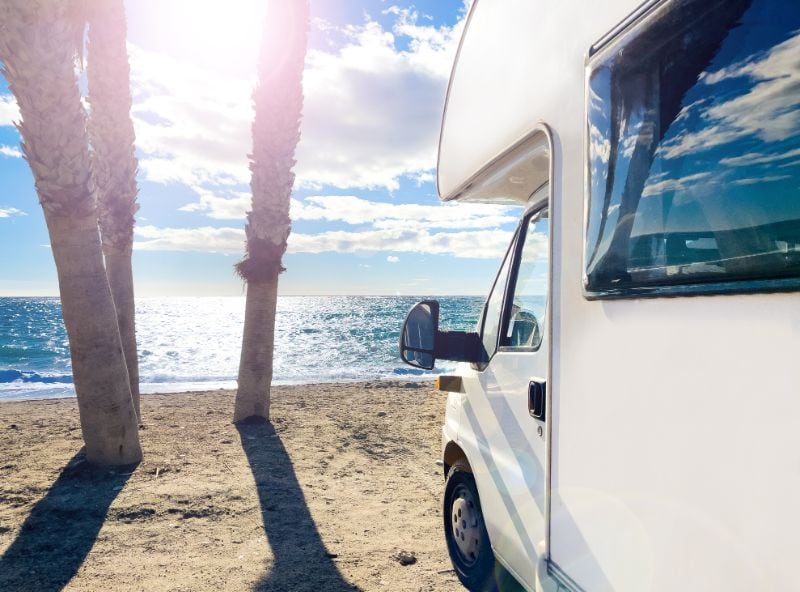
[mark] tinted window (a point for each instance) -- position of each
(529, 301)
(694, 150)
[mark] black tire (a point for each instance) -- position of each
(471, 555)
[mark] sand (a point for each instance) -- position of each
(331, 496)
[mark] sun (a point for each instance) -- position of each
(209, 33)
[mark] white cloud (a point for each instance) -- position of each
(9, 212)
(481, 244)
(373, 104)
(192, 125)
(393, 259)
(383, 215)
(229, 241)
(222, 204)
(10, 151)
(9, 111)
(371, 113)
(355, 210)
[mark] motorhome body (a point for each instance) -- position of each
(656, 152)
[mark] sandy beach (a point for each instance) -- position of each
(340, 492)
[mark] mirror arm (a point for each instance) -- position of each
(457, 346)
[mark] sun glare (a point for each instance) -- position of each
(220, 34)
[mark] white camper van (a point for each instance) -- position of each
(626, 415)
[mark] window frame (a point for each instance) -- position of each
(514, 251)
(510, 252)
(533, 214)
(632, 26)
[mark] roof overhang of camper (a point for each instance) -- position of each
(492, 148)
(513, 176)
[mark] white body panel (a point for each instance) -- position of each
(675, 453)
(507, 456)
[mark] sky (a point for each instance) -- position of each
(366, 215)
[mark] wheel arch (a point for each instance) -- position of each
(453, 453)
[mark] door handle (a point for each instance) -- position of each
(537, 396)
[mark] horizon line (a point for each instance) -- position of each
(384, 295)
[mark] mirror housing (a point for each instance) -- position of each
(421, 342)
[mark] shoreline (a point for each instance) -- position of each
(326, 497)
(409, 380)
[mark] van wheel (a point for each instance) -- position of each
(465, 532)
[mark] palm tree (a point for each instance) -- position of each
(37, 41)
(114, 160)
(278, 100)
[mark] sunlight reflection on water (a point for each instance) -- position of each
(194, 343)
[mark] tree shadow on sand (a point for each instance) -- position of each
(61, 529)
(300, 560)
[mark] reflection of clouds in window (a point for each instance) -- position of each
(703, 121)
(768, 111)
(689, 109)
(600, 145)
(759, 180)
(535, 247)
(757, 158)
(680, 184)
(774, 63)
(633, 135)
(796, 163)
(691, 142)
(595, 101)
(655, 177)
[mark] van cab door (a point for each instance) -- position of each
(504, 409)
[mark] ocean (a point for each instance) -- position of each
(194, 343)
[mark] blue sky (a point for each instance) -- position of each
(366, 218)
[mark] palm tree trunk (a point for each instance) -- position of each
(37, 48)
(119, 270)
(112, 138)
(255, 366)
(108, 419)
(278, 101)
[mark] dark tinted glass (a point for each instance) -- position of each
(694, 149)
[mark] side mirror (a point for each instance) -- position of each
(525, 329)
(418, 337)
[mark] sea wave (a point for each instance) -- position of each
(11, 376)
(195, 343)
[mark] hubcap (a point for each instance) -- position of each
(464, 524)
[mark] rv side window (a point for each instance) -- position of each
(693, 123)
(528, 303)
